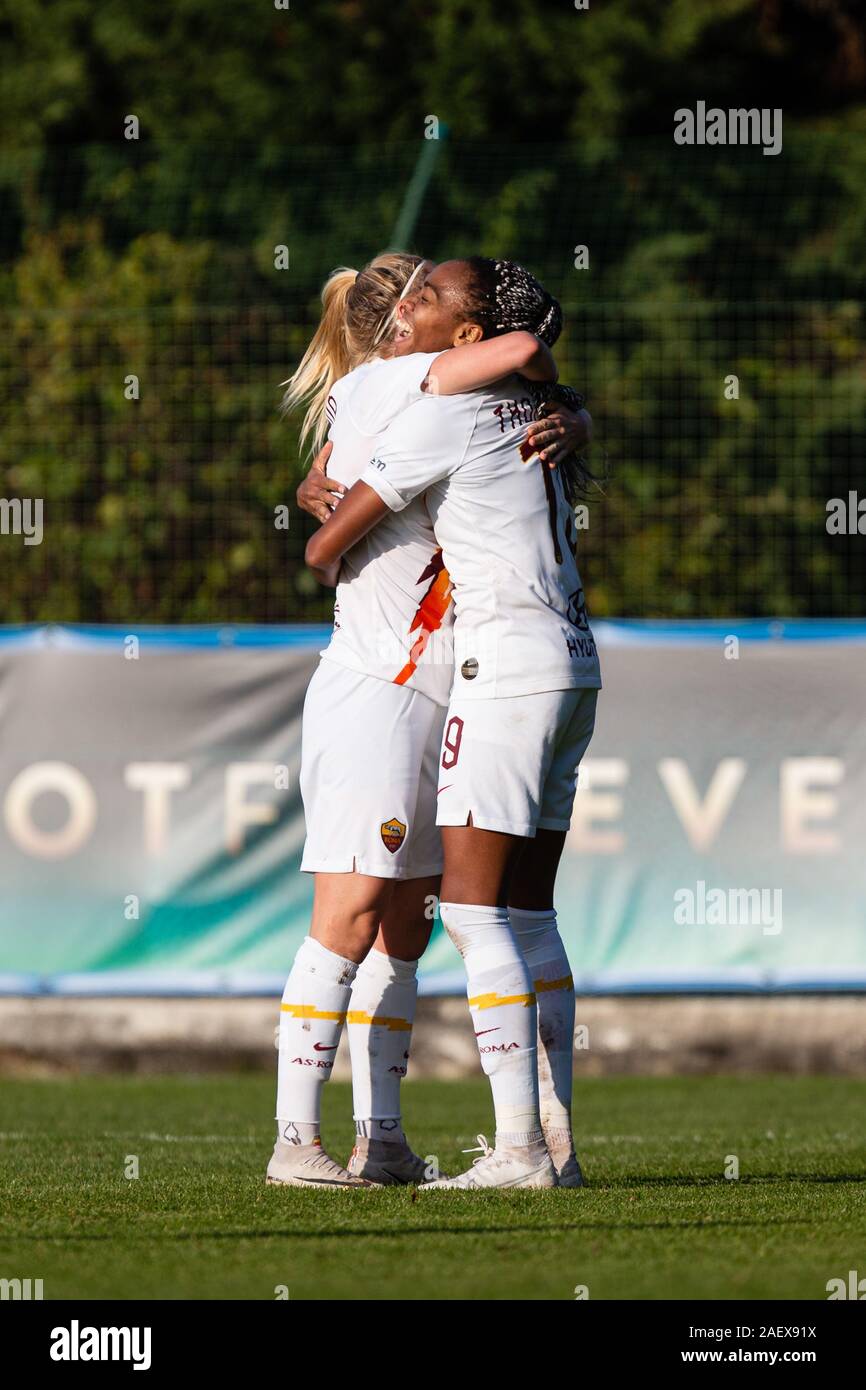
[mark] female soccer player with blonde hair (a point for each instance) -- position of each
(372, 727)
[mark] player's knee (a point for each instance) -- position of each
(405, 940)
(349, 930)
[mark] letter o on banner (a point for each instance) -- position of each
(80, 798)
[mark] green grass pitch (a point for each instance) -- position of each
(657, 1220)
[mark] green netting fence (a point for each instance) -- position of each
(145, 328)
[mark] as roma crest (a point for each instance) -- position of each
(393, 834)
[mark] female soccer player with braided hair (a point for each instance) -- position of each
(371, 736)
(521, 712)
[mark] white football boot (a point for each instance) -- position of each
(529, 1167)
(307, 1165)
(388, 1164)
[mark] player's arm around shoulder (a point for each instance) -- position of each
(474, 365)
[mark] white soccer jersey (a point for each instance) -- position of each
(508, 539)
(393, 616)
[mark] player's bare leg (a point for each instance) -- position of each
(347, 909)
(380, 1018)
(533, 920)
(478, 867)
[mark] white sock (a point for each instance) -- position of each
(312, 1015)
(380, 1017)
(502, 1004)
(539, 939)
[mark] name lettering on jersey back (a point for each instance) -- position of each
(514, 414)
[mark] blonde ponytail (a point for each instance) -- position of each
(326, 360)
(358, 313)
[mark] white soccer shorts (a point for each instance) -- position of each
(512, 763)
(369, 763)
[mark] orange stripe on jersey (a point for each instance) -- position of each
(431, 610)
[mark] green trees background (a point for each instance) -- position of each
(260, 127)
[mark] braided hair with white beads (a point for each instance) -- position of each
(503, 297)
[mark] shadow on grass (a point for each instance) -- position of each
(409, 1231)
(718, 1180)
